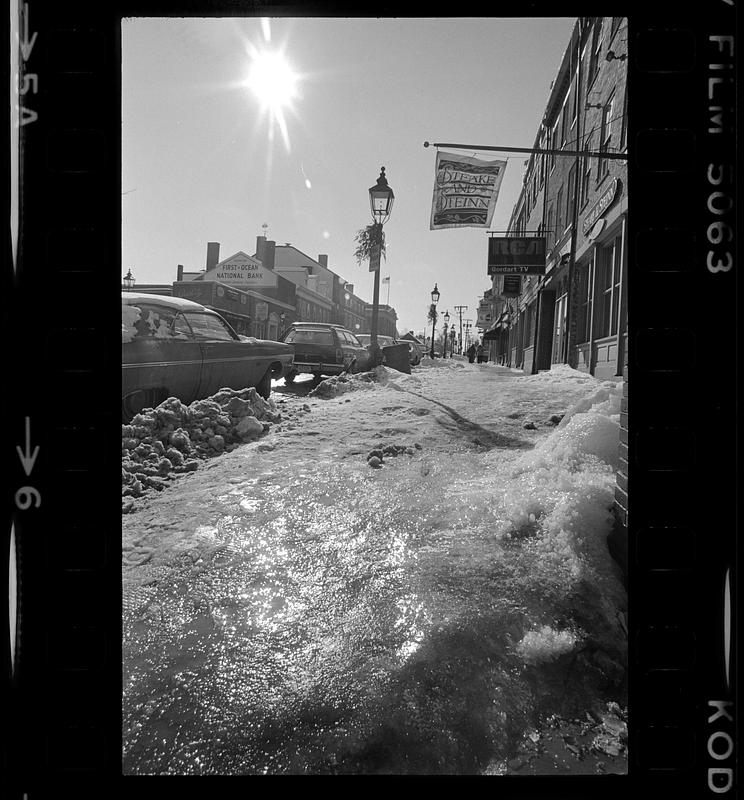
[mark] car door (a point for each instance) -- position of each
(227, 362)
(159, 355)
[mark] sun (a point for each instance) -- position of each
(274, 83)
(272, 80)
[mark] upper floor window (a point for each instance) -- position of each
(564, 122)
(570, 195)
(585, 176)
(594, 53)
(605, 141)
(559, 214)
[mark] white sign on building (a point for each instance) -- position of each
(242, 270)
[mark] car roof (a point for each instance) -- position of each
(316, 325)
(178, 303)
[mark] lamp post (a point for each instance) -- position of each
(381, 204)
(446, 326)
(434, 301)
(128, 280)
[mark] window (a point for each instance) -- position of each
(552, 143)
(570, 194)
(209, 328)
(559, 227)
(145, 321)
(608, 270)
(605, 141)
(594, 54)
(574, 99)
(551, 237)
(308, 336)
(585, 272)
(624, 127)
(564, 122)
(585, 177)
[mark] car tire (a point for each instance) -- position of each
(263, 387)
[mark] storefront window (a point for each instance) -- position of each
(609, 269)
(585, 301)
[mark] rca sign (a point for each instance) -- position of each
(521, 255)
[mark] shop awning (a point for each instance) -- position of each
(501, 326)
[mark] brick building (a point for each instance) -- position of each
(576, 312)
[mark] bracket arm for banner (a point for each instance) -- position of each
(545, 151)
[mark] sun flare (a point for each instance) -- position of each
(274, 83)
(272, 80)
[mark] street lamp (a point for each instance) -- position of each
(446, 326)
(128, 280)
(434, 301)
(381, 199)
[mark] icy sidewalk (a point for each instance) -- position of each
(291, 608)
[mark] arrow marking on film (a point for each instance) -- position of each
(26, 45)
(28, 458)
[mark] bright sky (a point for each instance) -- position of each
(204, 160)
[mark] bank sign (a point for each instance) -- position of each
(520, 255)
(243, 271)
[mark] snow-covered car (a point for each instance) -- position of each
(172, 347)
(324, 349)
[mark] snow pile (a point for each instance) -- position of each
(340, 384)
(558, 499)
(546, 644)
(440, 363)
(170, 439)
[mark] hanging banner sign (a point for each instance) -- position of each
(465, 191)
(520, 255)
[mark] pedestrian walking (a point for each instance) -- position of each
(471, 353)
(481, 353)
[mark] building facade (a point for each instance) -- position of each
(576, 313)
(261, 294)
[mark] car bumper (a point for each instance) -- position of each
(319, 367)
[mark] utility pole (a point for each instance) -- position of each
(459, 310)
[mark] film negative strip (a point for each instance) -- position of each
(677, 489)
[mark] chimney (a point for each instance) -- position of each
(323, 260)
(260, 247)
(213, 254)
(269, 254)
(179, 272)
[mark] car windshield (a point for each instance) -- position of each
(308, 336)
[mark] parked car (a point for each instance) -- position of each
(324, 349)
(388, 341)
(172, 347)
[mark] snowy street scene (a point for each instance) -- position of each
(399, 574)
(374, 396)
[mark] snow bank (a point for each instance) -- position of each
(163, 442)
(558, 498)
(340, 384)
